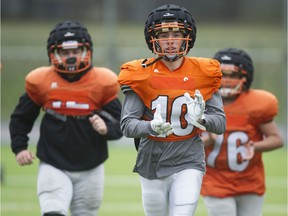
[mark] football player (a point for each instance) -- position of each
(234, 183)
(82, 112)
(168, 101)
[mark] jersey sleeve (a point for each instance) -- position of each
(211, 68)
(208, 75)
(34, 83)
(111, 89)
(129, 73)
(124, 77)
(266, 107)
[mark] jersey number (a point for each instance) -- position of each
(175, 114)
(70, 105)
(233, 150)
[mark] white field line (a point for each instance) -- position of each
(123, 181)
(16, 181)
(271, 209)
(110, 180)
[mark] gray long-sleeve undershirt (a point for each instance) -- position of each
(133, 109)
(158, 159)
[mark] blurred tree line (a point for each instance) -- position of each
(265, 11)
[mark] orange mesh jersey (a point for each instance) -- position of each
(156, 84)
(227, 174)
(49, 90)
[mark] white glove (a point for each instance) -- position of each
(158, 125)
(196, 108)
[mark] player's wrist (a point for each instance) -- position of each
(202, 121)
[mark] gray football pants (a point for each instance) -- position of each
(243, 205)
(81, 192)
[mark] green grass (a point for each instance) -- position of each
(122, 187)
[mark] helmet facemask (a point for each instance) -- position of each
(70, 48)
(233, 81)
(166, 18)
(71, 65)
(170, 48)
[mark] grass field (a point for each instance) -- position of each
(122, 188)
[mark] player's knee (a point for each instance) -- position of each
(53, 214)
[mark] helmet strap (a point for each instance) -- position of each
(153, 62)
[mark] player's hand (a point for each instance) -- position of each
(196, 108)
(208, 138)
(98, 124)
(158, 125)
(25, 157)
(248, 154)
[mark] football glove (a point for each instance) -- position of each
(196, 109)
(158, 125)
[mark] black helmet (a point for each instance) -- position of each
(238, 61)
(70, 34)
(170, 17)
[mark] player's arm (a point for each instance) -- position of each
(266, 124)
(215, 119)
(21, 123)
(132, 111)
(272, 137)
(107, 120)
(208, 139)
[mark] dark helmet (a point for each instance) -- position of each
(70, 35)
(234, 60)
(170, 17)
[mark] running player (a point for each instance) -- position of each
(82, 112)
(234, 184)
(168, 101)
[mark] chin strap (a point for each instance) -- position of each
(147, 65)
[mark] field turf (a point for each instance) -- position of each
(122, 188)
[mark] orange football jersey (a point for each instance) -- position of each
(156, 84)
(227, 175)
(49, 90)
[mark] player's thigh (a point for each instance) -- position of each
(154, 196)
(88, 192)
(250, 204)
(185, 192)
(54, 189)
(220, 206)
